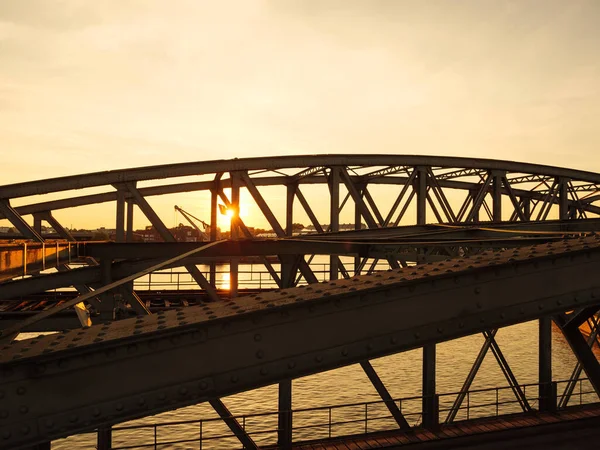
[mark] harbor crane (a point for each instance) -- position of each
(188, 216)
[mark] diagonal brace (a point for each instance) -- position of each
(385, 395)
(15, 218)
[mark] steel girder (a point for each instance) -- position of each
(316, 173)
(273, 163)
(235, 346)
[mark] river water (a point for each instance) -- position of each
(401, 373)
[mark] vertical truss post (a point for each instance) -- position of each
(104, 441)
(234, 230)
(547, 394)
(430, 407)
(120, 225)
(289, 264)
(284, 419)
(37, 223)
(334, 214)
(214, 199)
(385, 395)
(475, 211)
(421, 188)
(233, 425)
(289, 208)
(129, 236)
(526, 207)
(497, 196)
(357, 226)
(563, 198)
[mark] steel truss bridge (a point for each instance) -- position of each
(469, 246)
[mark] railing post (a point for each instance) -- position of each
(496, 402)
(104, 438)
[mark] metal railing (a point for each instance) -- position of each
(341, 420)
(250, 277)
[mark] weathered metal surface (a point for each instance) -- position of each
(168, 360)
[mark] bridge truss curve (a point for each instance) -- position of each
(471, 206)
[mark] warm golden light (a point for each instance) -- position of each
(230, 213)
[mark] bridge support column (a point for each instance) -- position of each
(234, 232)
(120, 225)
(526, 207)
(214, 205)
(129, 234)
(104, 440)
(497, 196)
(334, 214)
(547, 390)
(421, 188)
(563, 198)
(430, 405)
(284, 427)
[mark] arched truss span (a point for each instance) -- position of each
(528, 186)
(418, 190)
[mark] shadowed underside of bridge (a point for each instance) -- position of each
(477, 269)
(258, 340)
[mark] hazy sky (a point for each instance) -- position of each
(88, 86)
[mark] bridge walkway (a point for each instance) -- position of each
(468, 432)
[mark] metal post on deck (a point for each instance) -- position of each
(120, 225)
(547, 401)
(284, 428)
(430, 406)
(334, 216)
(104, 438)
(214, 197)
(234, 233)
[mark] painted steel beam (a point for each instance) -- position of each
(261, 181)
(235, 346)
(281, 162)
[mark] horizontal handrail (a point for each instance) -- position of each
(329, 424)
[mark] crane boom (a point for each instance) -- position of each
(189, 218)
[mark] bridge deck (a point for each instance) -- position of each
(447, 434)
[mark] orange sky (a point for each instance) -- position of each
(89, 86)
